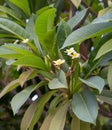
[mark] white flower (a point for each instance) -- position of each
(75, 55)
(59, 62)
(25, 40)
(70, 51)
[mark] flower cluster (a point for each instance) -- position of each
(71, 52)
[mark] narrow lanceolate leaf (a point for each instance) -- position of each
(85, 107)
(105, 18)
(75, 20)
(56, 84)
(31, 61)
(13, 28)
(18, 48)
(9, 87)
(95, 82)
(109, 78)
(34, 112)
(76, 2)
(107, 47)
(87, 32)
(20, 98)
(25, 76)
(58, 121)
(12, 13)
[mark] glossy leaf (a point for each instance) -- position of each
(95, 82)
(56, 84)
(23, 5)
(109, 78)
(13, 28)
(31, 61)
(83, 108)
(87, 32)
(107, 47)
(44, 23)
(76, 19)
(58, 121)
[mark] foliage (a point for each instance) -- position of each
(54, 58)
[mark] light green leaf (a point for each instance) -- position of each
(23, 5)
(109, 77)
(9, 87)
(25, 76)
(75, 20)
(8, 53)
(83, 108)
(31, 61)
(56, 84)
(95, 82)
(20, 98)
(62, 77)
(18, 48)
(13, 28)
(87, 32)
(107, 47)
(85, 125)
(58, 121)
(44, 23)
(76, 2)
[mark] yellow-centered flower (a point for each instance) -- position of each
(75, 55)
(59, 62)
(25, 40)
(70, 51)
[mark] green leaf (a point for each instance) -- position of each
(76, 2)
(31, 61)
(25, 76)
(87, 32)
(109, 78)
(23, 5)
(8, 53)
(44, 23)
(107, 47)
(31, 31)
(9, 87)
(75, 123)
(19, 48)
(77, 18)
(13, 28)
(95, 82)
(20, 98)
(58, 121)
(105, 18)
(12, 13)
(79, 125)
(62, 77)
(62, 32)
(35, 110)
(56, 84)
(83, 108)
